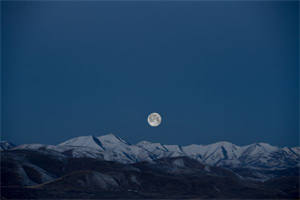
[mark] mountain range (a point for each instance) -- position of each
(113, 148)
(109, 167)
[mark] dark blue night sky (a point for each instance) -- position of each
(215, 71)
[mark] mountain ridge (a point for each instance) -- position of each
(113, 148)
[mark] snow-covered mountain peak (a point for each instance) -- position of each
(225, 144)
(85, 141)
(259, 148)
(267, 146)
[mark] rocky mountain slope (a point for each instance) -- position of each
(47, 173)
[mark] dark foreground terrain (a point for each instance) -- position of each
(27, 174)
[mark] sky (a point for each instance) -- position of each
(215, 71)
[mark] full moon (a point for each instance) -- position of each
(154, 119)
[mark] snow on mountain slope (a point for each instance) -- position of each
(86, 141)
(260, 154)
(220, 151)
(5, 145)
(119, 149)
(158, 150)
(194, 149)
(110, 140)
(152, 146)
(175, 150)
(292, 152)
(259, 148)
(108, 147)
(63, 150)
(296, 150)
(113, 148)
